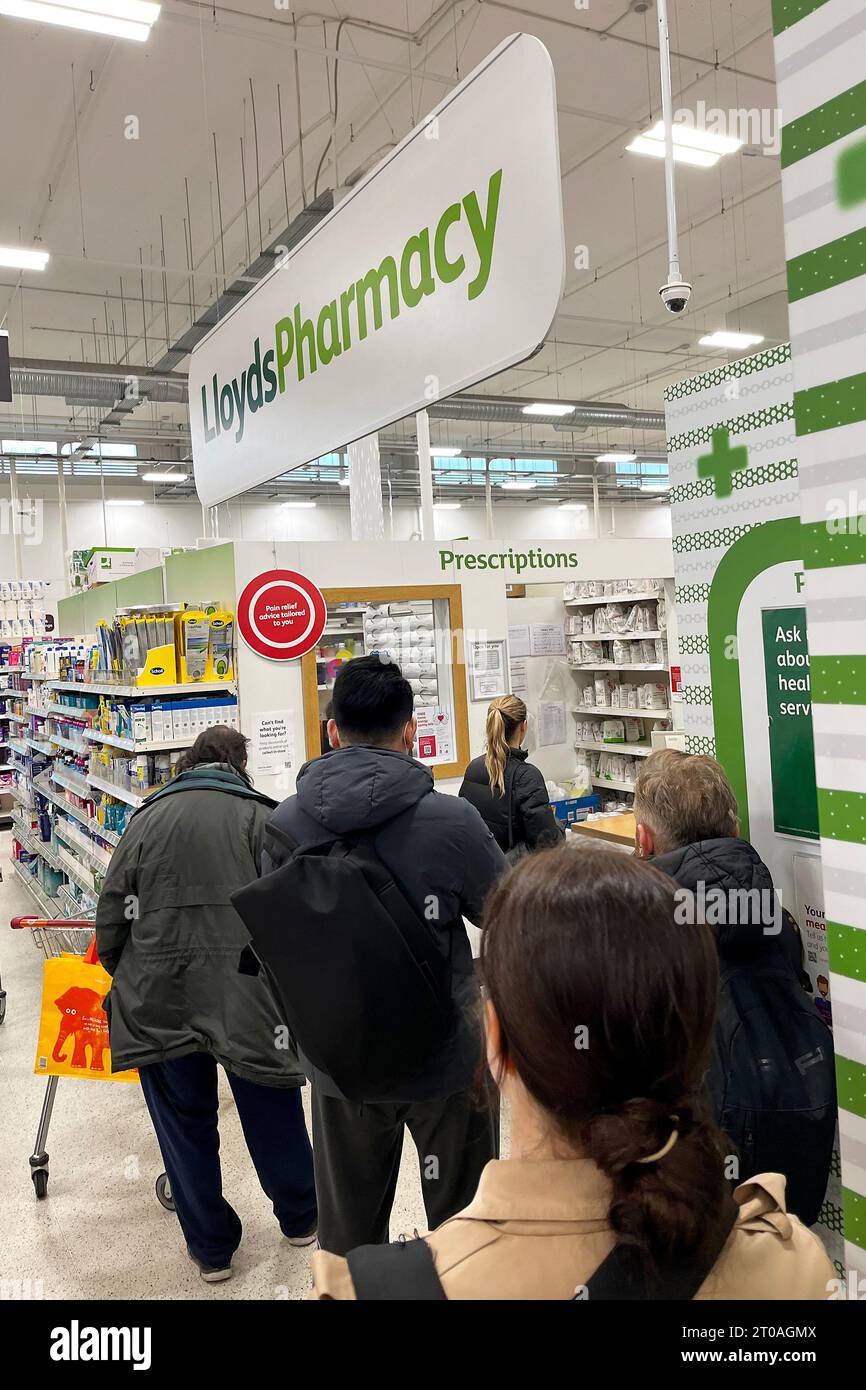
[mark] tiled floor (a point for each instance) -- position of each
(101, 1233)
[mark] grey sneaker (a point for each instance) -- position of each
(211, 1274)
(309, 1238)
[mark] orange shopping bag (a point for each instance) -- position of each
(73, 1029)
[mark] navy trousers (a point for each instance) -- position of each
(181, 1096)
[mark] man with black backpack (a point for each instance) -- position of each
(360, 929)
(771, 1080)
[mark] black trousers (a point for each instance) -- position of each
(356, 1154)
(182, 1098)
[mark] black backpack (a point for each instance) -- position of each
(361, 982)
(405, 1271)
(772, 1080)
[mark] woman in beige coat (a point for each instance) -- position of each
(599, 1021)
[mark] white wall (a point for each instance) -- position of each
(181, 523)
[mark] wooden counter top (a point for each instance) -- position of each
(617, 830)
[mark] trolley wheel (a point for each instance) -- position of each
(163, 1192)
(40, 1182)
(2, 1004)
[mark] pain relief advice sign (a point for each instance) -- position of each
(443, 267)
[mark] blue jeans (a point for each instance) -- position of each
(181, 1096)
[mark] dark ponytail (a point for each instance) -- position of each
(606, 1008)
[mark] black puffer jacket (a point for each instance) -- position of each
(532, 821)
(771, 1078)
(732, 865)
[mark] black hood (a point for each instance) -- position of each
(358, 788)
(728, 864)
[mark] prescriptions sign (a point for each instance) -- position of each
(442, 267)
(281, 615)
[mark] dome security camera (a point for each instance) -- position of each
(675, 296)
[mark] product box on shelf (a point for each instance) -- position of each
(107, 563)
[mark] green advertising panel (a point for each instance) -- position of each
(789, 708)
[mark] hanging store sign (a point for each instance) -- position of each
(281, 615)
(442, 267)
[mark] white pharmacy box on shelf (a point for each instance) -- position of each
(669, 738)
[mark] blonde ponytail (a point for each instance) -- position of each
(505, 714)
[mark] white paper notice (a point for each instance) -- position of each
(519, 676)
(273, 742)
(547, 639)
(518, 639)
(551, 724)
(487, 666)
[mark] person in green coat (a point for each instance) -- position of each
(178, 1007)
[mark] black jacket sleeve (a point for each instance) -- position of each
(540, 827)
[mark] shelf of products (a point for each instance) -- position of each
(632, 750)
(612, 785)
(131, 746)
(617, 666)
(30, 881)
(140, 691)
(87, 752)
(131, 798)
(415, 628)
(616, 647)
(621, 596)
(613, 711)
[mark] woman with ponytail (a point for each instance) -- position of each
(507, 791)
(599, 1017)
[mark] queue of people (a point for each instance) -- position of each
(600, 1024)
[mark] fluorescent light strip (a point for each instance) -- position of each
(693, 137)
(615, 457)
(447, 506)
(124, 502)
(298, 506)
(573, 507)
(547, 408)
(164, 477)
(703, 159)
(17, 258)
(441, 451)
(518, 485)
(94, 21)
(723, 339)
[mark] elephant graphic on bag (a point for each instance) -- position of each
(83, 1018)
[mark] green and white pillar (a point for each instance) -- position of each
(820, 48)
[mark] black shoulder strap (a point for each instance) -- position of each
(406, 1272)
(510, 810)
(622, 1275)
(403, 1272)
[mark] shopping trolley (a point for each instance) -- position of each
(55, 937)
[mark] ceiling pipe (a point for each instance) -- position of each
(507, 410)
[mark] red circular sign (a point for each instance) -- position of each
(281, 615)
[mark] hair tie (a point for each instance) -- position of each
(663, 1152)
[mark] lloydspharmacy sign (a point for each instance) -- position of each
(302, 345)
(443, 267)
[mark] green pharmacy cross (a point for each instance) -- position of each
(722, 463)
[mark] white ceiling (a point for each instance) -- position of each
(73, 182)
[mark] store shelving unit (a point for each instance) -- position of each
(48, 726)
(653, 672)
(631, 750)
(611, 712)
